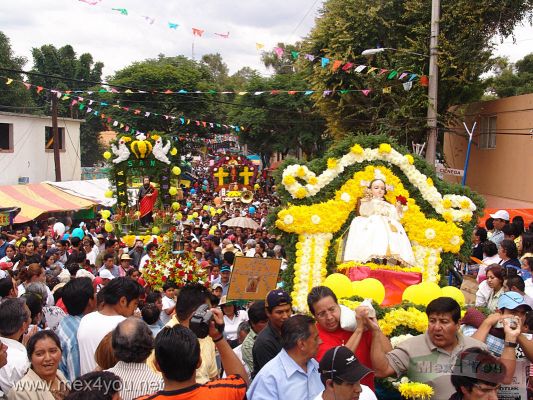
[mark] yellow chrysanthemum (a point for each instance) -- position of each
(289, 180)
(447, 216)
(465, 204)
(332, 163)
(313, 180)
(467, 218)
(429, 181)
(300, 172)
(447, 203)
(300, 193)
(410, 159)
(356, 149)
(415, 390)
(385, 148)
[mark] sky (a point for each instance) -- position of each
(118, 40)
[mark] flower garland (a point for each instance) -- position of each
(301, 182)
(167, 267)
(410, 317)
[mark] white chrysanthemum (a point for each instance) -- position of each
(346, 197)
(315, 219)
(455, 240)
(430, 233)
(288, 219)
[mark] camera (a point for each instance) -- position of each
(200, 320)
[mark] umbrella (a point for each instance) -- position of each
(242, 222)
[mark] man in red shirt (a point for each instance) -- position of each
(323, 304)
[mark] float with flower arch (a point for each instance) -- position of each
(318, 206)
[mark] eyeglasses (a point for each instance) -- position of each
(487, 390)
(323, 314)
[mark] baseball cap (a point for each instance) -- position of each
(216, 286)
(225, 268)
(500, 214)
(106, 274)
(512, 300)
(340, 362)
(277, 297)
(199, 249)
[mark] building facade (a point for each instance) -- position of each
(26, 148)
(501, 158)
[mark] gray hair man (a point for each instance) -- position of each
(132, 343)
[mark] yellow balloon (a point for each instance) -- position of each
(195, 214)
(175, 205)
(408, 293)
(173, 191)
(190, 217)
(155, 230)
(107, 155)
(355, 285)
(108, 193)
(219, 211)
(340, 284)
(371, 288)
(256, 186)
(105, 214)
(179, 216)
(212, 212)
(176, 170)
(173, 152)
(108, 227)
(212, 230)
(205, 208)
(425, 292)
(454, 293)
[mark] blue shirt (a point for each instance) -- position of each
(282, 378)
(70, 357)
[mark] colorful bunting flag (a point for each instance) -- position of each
(387, 89)
(8, 81)
(278, 51)
(295, 54)
(148, 19)
(122, 11)
(336, 65)
(324, 61)
(259, 46)
(223, 35)
(173, 25)
(407, 86)
(197, 32)
(365, 91)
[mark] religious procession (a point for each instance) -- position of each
(325, 214)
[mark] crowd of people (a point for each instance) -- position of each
(78, 321)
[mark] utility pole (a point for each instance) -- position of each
(433, 89)
(55, 132)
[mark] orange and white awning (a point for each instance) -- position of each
(39, 198)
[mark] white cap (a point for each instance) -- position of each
(83, 273)
(501, 214)
(106, 274)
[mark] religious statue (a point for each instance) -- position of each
(376, 234)
(146, 202)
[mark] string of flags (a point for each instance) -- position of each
(151, 20)
(90, 104)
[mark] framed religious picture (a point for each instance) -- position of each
(252, 278)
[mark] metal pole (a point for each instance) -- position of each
(431, 152)
(467, 160)
(55, 132)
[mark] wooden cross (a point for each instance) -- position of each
(221, 174)
(246, 174)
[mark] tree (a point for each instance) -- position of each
(14, 97)
(347, 27)
(512, 80)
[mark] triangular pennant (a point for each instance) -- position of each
(365, 91)
(360, 68)
(347, 66)
(336, 64)
(8, 81)
(387, 89)
(324, 61)
(197, 32)
(370, 70)
(259, 46)
(279, 51)
(407, 86)
(308, 92)
(382, 71)
(413, 76)
(295, 54)
(392, 74)
(403, 75)
(310, 57)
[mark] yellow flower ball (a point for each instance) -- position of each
(356, 149)
(300, 193)
(173, 191)
(301, 172)
(385, 148)
(107, 155)
(410, 159)
(429, 181)
(332, 163)
(108, 194)
(155, 230)
(176, 170)
(173, 151)
(465, 204)
(289, 180)
(447, 203)
(447, 216)
(313, 180)
(467, 218)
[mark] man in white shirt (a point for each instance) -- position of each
(15, 317)
(341, 373)
(121, 297)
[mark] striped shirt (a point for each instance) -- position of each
(70, 351)
(137, 379)
(231, 388)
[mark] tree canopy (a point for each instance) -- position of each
(512, 79)
(347, 27)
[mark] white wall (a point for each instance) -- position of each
(29, 157)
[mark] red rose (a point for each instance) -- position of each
(402, 200)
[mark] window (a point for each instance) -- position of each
(49, 138)
(487, 137)
(6, 137)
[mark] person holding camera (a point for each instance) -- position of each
(178, 356)
(190, 298)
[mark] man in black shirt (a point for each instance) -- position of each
(278, 306)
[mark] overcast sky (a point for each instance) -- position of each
(117, 40)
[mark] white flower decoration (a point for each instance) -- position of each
(288, 219)
(315, 219)
(430, 233)
(455, 240)
(346, 197)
